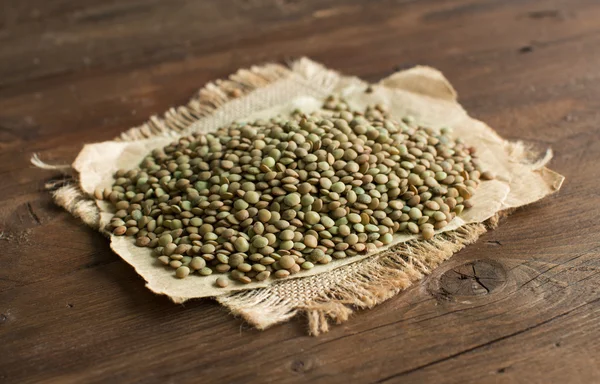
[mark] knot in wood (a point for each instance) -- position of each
(475, 278)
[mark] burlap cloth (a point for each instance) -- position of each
(328, 292)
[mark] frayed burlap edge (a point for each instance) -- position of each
(208, 100)
(359, 285)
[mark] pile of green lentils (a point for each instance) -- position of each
(272, 198)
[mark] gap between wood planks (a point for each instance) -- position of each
(486, 344)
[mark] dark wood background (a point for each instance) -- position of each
(520, 305)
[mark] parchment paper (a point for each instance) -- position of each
(421, 92)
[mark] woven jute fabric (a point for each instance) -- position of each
(333, 292)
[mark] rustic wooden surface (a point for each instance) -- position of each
(520, 305)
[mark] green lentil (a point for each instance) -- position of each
(312, 217)
(182, 272)
(287, 262)
(278, 196)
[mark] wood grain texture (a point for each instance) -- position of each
(520, 305)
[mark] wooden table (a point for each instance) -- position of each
(75, 72)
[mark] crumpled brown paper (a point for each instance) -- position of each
(422, 92)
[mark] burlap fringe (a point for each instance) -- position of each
(523, 152)
(362, 285)
(207, 101)
(67, 194)
(393, 272)
(63, 168)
